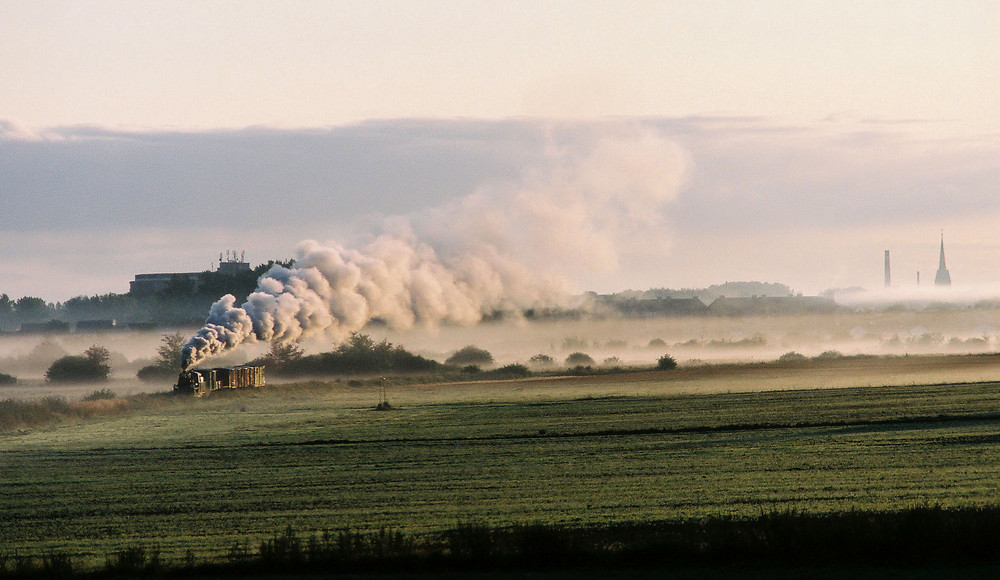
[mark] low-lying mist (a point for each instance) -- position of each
(716, 339)
(28, 356)
(917, 297)
(608, 341)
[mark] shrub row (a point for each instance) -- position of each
(360, 354)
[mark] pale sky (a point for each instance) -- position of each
(812, 135)
(208, 65)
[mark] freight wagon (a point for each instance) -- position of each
(201, 381)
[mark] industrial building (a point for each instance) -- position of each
(150, 284)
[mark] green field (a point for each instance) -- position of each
(196, 477)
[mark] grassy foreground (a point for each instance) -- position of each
(205, 482)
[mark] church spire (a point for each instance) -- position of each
(942, 278)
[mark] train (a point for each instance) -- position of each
(199, 382)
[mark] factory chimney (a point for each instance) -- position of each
(888, 278)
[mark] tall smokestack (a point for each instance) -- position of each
(888, 277)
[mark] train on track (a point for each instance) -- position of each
(199, 382)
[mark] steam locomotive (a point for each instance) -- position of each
(199, 382)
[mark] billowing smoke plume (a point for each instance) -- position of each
(501, 249)
(336, 291)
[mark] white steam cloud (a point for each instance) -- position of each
(500, 249)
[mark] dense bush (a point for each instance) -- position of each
(6, 379)
(92, 366)
(792, 356)
(666, 363)
(579, 359)
(360, 354)
(511, 371)
(470, 355)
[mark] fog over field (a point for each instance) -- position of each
(610, 341)
(692, 340)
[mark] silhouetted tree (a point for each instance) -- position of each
(283, 353)
(31, 308)
(169, 352)
(102, 306)
(99, 355)
(168, 359)
(6, 305)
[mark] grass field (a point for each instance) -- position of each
(194, 478)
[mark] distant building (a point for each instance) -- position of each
(150, 284)
(52, 326)
(232, 266)
(96, 325)
(942, 277)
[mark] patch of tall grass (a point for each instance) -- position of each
(18, 414)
